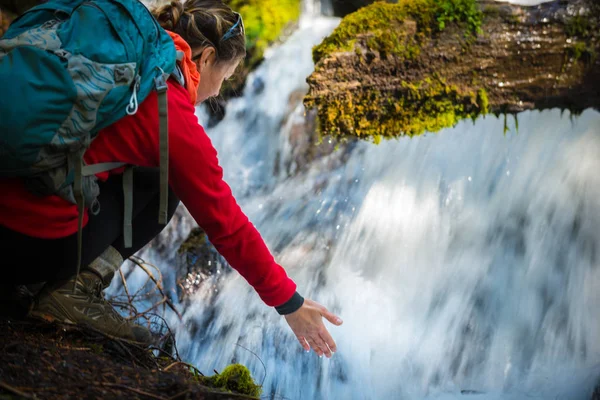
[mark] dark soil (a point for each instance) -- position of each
(50, 361)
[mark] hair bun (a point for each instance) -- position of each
(170, 14)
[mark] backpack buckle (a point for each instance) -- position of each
(160, 83)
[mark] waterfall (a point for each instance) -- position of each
(465, 264)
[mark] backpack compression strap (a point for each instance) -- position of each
(87, 170)
(163, 132)
(80, 172)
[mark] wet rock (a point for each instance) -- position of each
(198, 261)
(306, 145)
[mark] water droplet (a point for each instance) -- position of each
(337, 228)
(507, 173)
(470, 179)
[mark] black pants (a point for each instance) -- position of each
(26, 259)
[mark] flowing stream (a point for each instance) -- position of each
(465, 264)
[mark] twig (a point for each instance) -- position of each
(183, 363)
(132, 309)
(140, 314)
(172, 365)
(74, 348)
(261, 361)
(117, 385)
(16, 391)
(157, 283)
(125, 285)
(161, 351)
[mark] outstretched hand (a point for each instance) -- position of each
(307, 325)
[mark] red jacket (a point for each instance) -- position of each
(194, 175)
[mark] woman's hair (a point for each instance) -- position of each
(204, 23)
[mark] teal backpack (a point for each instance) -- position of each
(69, 68)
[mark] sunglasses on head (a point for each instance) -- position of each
(236, 29)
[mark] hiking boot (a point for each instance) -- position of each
(79, 301)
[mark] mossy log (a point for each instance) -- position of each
(422, 65)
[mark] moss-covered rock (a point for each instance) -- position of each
(427, 106)
(197, 260)
(381, 25)
(234, 378)
(388, 37)
(423, 65)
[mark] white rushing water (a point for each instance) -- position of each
(465, 264)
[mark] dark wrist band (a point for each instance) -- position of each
(291, 305)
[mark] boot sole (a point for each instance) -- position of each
(43, 317)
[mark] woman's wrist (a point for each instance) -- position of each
(290, 306)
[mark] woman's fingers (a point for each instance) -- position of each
(303, 343)
(326, 337)
(320, 343)
(307, 324)
(331, 317)
(313, 344)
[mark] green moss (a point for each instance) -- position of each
(264, 21)
(578, 26)
(427, 106)
(195, 240)
(483, 101)
(234, 378)
(462, 11)
(581, 51)
(378, 20)
(381, 26)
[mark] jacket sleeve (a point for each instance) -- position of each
(197, 179)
